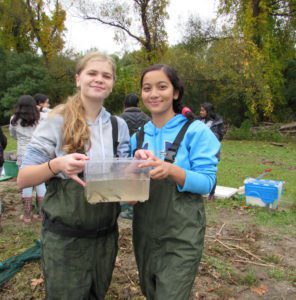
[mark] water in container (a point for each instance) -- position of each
(116, 180)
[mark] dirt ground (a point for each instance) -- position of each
(241, 260)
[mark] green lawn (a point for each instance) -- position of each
(11, 146)
(241, 159)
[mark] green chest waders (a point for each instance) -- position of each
(79, 242)
(168, 235)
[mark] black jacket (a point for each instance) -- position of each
(3, 144)
(134, 118)
(217, 126)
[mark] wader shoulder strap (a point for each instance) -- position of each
(114, 135)
(140, 138)
(172, 151)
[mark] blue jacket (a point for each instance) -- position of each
(197, 153)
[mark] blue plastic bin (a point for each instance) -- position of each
(262, 192)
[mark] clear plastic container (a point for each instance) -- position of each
(116, 180)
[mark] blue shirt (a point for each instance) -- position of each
(197, 153)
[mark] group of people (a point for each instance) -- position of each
(80, 240)
(28, 113)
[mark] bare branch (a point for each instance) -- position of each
(116, 25)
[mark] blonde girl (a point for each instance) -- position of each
(79, 240)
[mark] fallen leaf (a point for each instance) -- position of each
(118, 263)
(260, 290)
(35, 282)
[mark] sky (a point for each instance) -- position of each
(83, 35)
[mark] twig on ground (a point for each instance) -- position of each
(248, 252)
(228, 246)
(231, 280)
(241, 291)
(223, 244)
(132, 282)
(213, 288)
(229, 238)
(223, 238)
(254, 263)
(220, 231)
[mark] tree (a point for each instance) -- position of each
(47, 30)
(29, 25)
(290, 88)
(14, 26)
(148, 15)
(270, 26)
(26, 73)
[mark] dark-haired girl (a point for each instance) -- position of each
(169, 228)
(208, 116)
(211, 119)
(22, 125)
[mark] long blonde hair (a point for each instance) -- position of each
(76, 133)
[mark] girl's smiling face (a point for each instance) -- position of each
(95, 80)
(203, 112)
(158, 93)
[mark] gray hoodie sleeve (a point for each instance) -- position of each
(46, 142)
(12, 129)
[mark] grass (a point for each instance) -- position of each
(11, 143)
(249, 279)
(16, 241)
(242, 159)
(283, 274)
(221, 267)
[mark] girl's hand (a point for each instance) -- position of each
(132, 203)
(72, 165)
(144, 154)
(161, 169)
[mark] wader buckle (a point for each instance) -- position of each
(170, 156)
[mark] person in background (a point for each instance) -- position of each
(169, 228)
(132, 114)
(43, 105)
(215, 122)
(22, 125)
(3, 144)
(79, 240)
(135, 119)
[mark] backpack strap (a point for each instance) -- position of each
(172, 151)
(114, 135)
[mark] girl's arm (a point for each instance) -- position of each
(12, 130)
(71, 165)
(161, 169)
(43, 148)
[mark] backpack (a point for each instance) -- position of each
(114, 125)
